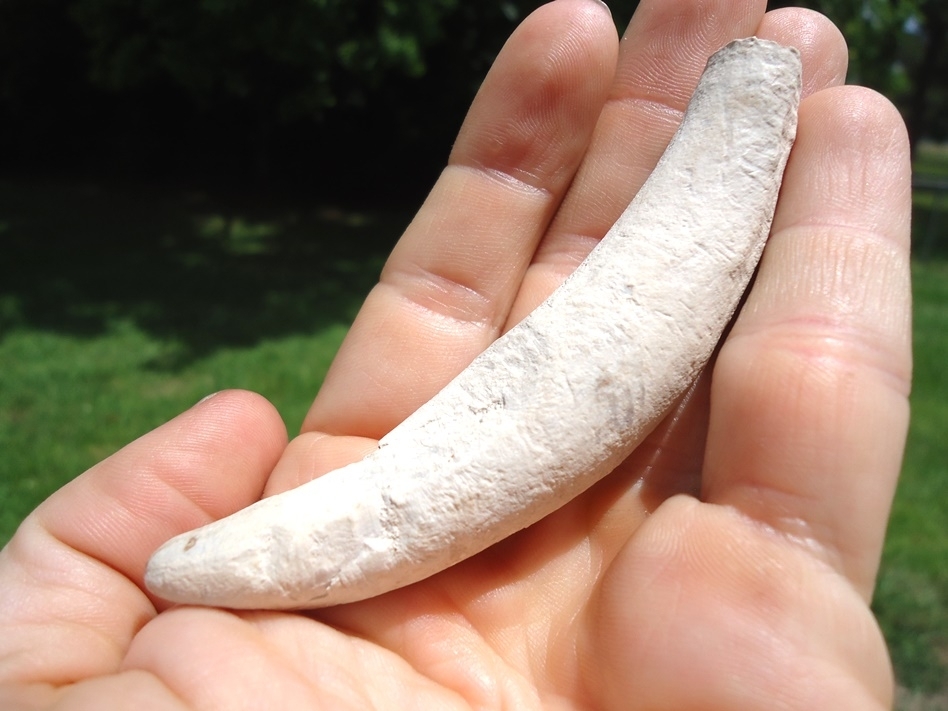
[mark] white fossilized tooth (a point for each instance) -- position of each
(552, 406)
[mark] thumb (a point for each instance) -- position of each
(71, 590)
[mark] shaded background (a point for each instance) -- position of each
(197, 194)
(336, 94)
(339, 96)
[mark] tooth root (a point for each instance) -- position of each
(552, 406)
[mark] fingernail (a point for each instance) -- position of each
(206, 398)
(605, 5)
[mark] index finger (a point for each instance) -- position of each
(446, 290)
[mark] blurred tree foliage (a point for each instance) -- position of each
(898, 48)
(337, 91)
(332, 91)
(298, 57)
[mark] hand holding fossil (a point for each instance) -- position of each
(726, 564)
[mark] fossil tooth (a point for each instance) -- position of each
(553, 405)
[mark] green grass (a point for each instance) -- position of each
(912, 597)
(69, 401)
(911, 600)
(119, 308)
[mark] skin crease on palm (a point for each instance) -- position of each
(727, 564)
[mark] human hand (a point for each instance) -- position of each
(726, 565)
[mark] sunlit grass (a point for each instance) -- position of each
(66, 402)
(911, 601)
(912, 598)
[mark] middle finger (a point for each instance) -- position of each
(662, 55)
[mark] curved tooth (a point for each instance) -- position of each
(552, 406)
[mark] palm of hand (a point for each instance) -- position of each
(752, 597)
